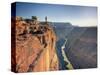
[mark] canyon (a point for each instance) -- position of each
(33, 46)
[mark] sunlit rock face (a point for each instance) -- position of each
(33, 47)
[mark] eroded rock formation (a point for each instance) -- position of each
(33, 47)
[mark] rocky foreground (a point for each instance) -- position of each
(33, 46)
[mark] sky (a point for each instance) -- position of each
(77, 15)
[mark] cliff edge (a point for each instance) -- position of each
(33, 46)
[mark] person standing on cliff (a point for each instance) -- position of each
(46, 21)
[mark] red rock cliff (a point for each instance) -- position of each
(33, 47)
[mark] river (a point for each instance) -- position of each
(64, 63)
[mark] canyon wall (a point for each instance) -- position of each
(33, 47)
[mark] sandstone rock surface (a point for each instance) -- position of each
(33, 49)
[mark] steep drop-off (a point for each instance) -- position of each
(33, 47)
(81, 48)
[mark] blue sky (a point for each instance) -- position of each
(77, 15)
